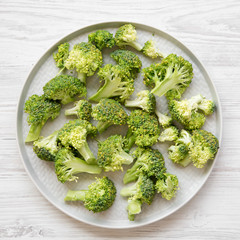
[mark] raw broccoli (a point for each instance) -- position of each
(126, 35)
(62, 54)
(129, 60)
(64, 88)
(163, 119)
(85, 58)
(143, 129)
(101, 39)
(207, 106)
(46, 148)
(142, 191)
(171, 77)
(40, 110)
(82, 110)
(168, 134)
(149, 162)
(108, 112)
(111, 155)
(144, 100)
(167, 186)
(150, 50)
(118, 83)
(74, 134)
(204, 147)
(99, 196)
(67, 166)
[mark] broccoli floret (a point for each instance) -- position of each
(46, 148)
(126, 35)
(111, 155)
(204, 147)
(150, 50)
(108, 112)
(143, 129)
(118, 83)
(207, 106)
(144, 100)
(143, 191)
(82, 110)
(129, 60)
(64, 88)
(168, 134)
(163, 119)
(40, 110)
(85, 58)
(101, 39)
(171, 77)
(167, 186)
(67, 166)
(62, 54)
(74, 134)
(99, 196)
(149, 162)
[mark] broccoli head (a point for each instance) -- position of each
(108, 112)
(111, 155)
(142, 191)
(46, 148)
(99, 196)
(39, 110)
(101, 39)
(67, 166)
(163, 119)
(168, 134)
(62, 54)
(145, 100)
(82, 110)
(171, 77)
(85, 58)
(150, 50)
(118, 83)
(74, 134)
(64, 88)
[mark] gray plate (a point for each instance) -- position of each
(42, 173)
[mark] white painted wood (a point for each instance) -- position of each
(211, 29)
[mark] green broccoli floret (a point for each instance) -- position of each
(46, 148)
(64, 88)
(101, 39)
(144, 100)
(171, 77)
(149, 162)
(150, 50)
(143, 129)
(85, 58)
(129, 60)
(167, 186)
(126, 35)
(142, 191)
(168, 134)
(111, 155)
(62, 54)
(40, 110)
(108, 112)
(99, 196)
(118, 83)
(67, 166)
(204, 147)
(163, 119)
(82, 110)
(74, 134)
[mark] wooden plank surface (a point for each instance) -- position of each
(211, 29)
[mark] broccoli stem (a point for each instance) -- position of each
(102, 126)
(87, 154)
(82, 77)
(34, 132)
(128, 191)
(186, 161)
(131, 175)
(130, 140)
(76, 195)
(135, 45)
(66, 99)
(134, 103)
(134, 207)
(71, 111)
(128, 158)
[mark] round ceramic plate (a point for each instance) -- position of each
(42, 173)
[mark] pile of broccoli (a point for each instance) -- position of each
(112, 105)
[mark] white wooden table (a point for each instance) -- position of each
(211, 29)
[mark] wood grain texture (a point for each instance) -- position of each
(211, 29)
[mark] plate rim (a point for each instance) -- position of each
(38, 183)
